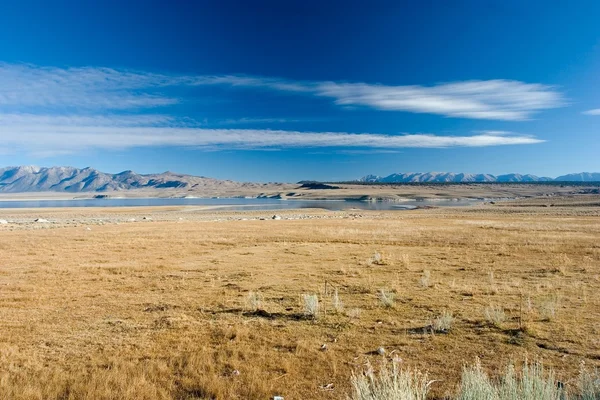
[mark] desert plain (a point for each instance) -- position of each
(195, 303)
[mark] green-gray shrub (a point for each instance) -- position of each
(532, 383)
(391, 383)
(494, 315)
(253, 301)
(443, 323)
(311, 305)
(589, 384)
(337, 303)
(386, 297)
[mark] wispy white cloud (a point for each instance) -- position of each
(24, 85)
(368, 151)
(15, 120)
(245, 121)
(257, 82)
(493, 99)
(45, 135)
(83, 88)
(496, 132)
(51, 111)
(592, 112)
(497, 99)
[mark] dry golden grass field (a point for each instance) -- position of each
(201, 304)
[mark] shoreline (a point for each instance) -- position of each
(237, 203)
(397, 194)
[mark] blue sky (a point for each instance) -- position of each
(284, 91)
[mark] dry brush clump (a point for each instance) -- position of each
(310, 303)
(376, 259)
(495, 315)
(354, 313)
(254, 301)
(549, 308)
(425, 280)
(336, 302)
(390, 383)
(588, 384)
(387, 298)
(532, 382)
(443, 323)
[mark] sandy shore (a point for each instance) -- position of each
(396, 193)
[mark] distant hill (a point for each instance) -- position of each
(70, 179)
(451, 177)
(580, 177)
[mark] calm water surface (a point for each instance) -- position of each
(235, 203)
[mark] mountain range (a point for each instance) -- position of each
(451, 177)
(70, 179)
(74, 180)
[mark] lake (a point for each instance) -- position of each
(235, 204)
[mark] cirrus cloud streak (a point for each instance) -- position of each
(592, 112)
(95, 88)
(46, 135)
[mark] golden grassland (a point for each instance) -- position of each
(209, 305)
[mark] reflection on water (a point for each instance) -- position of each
(235, 204)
